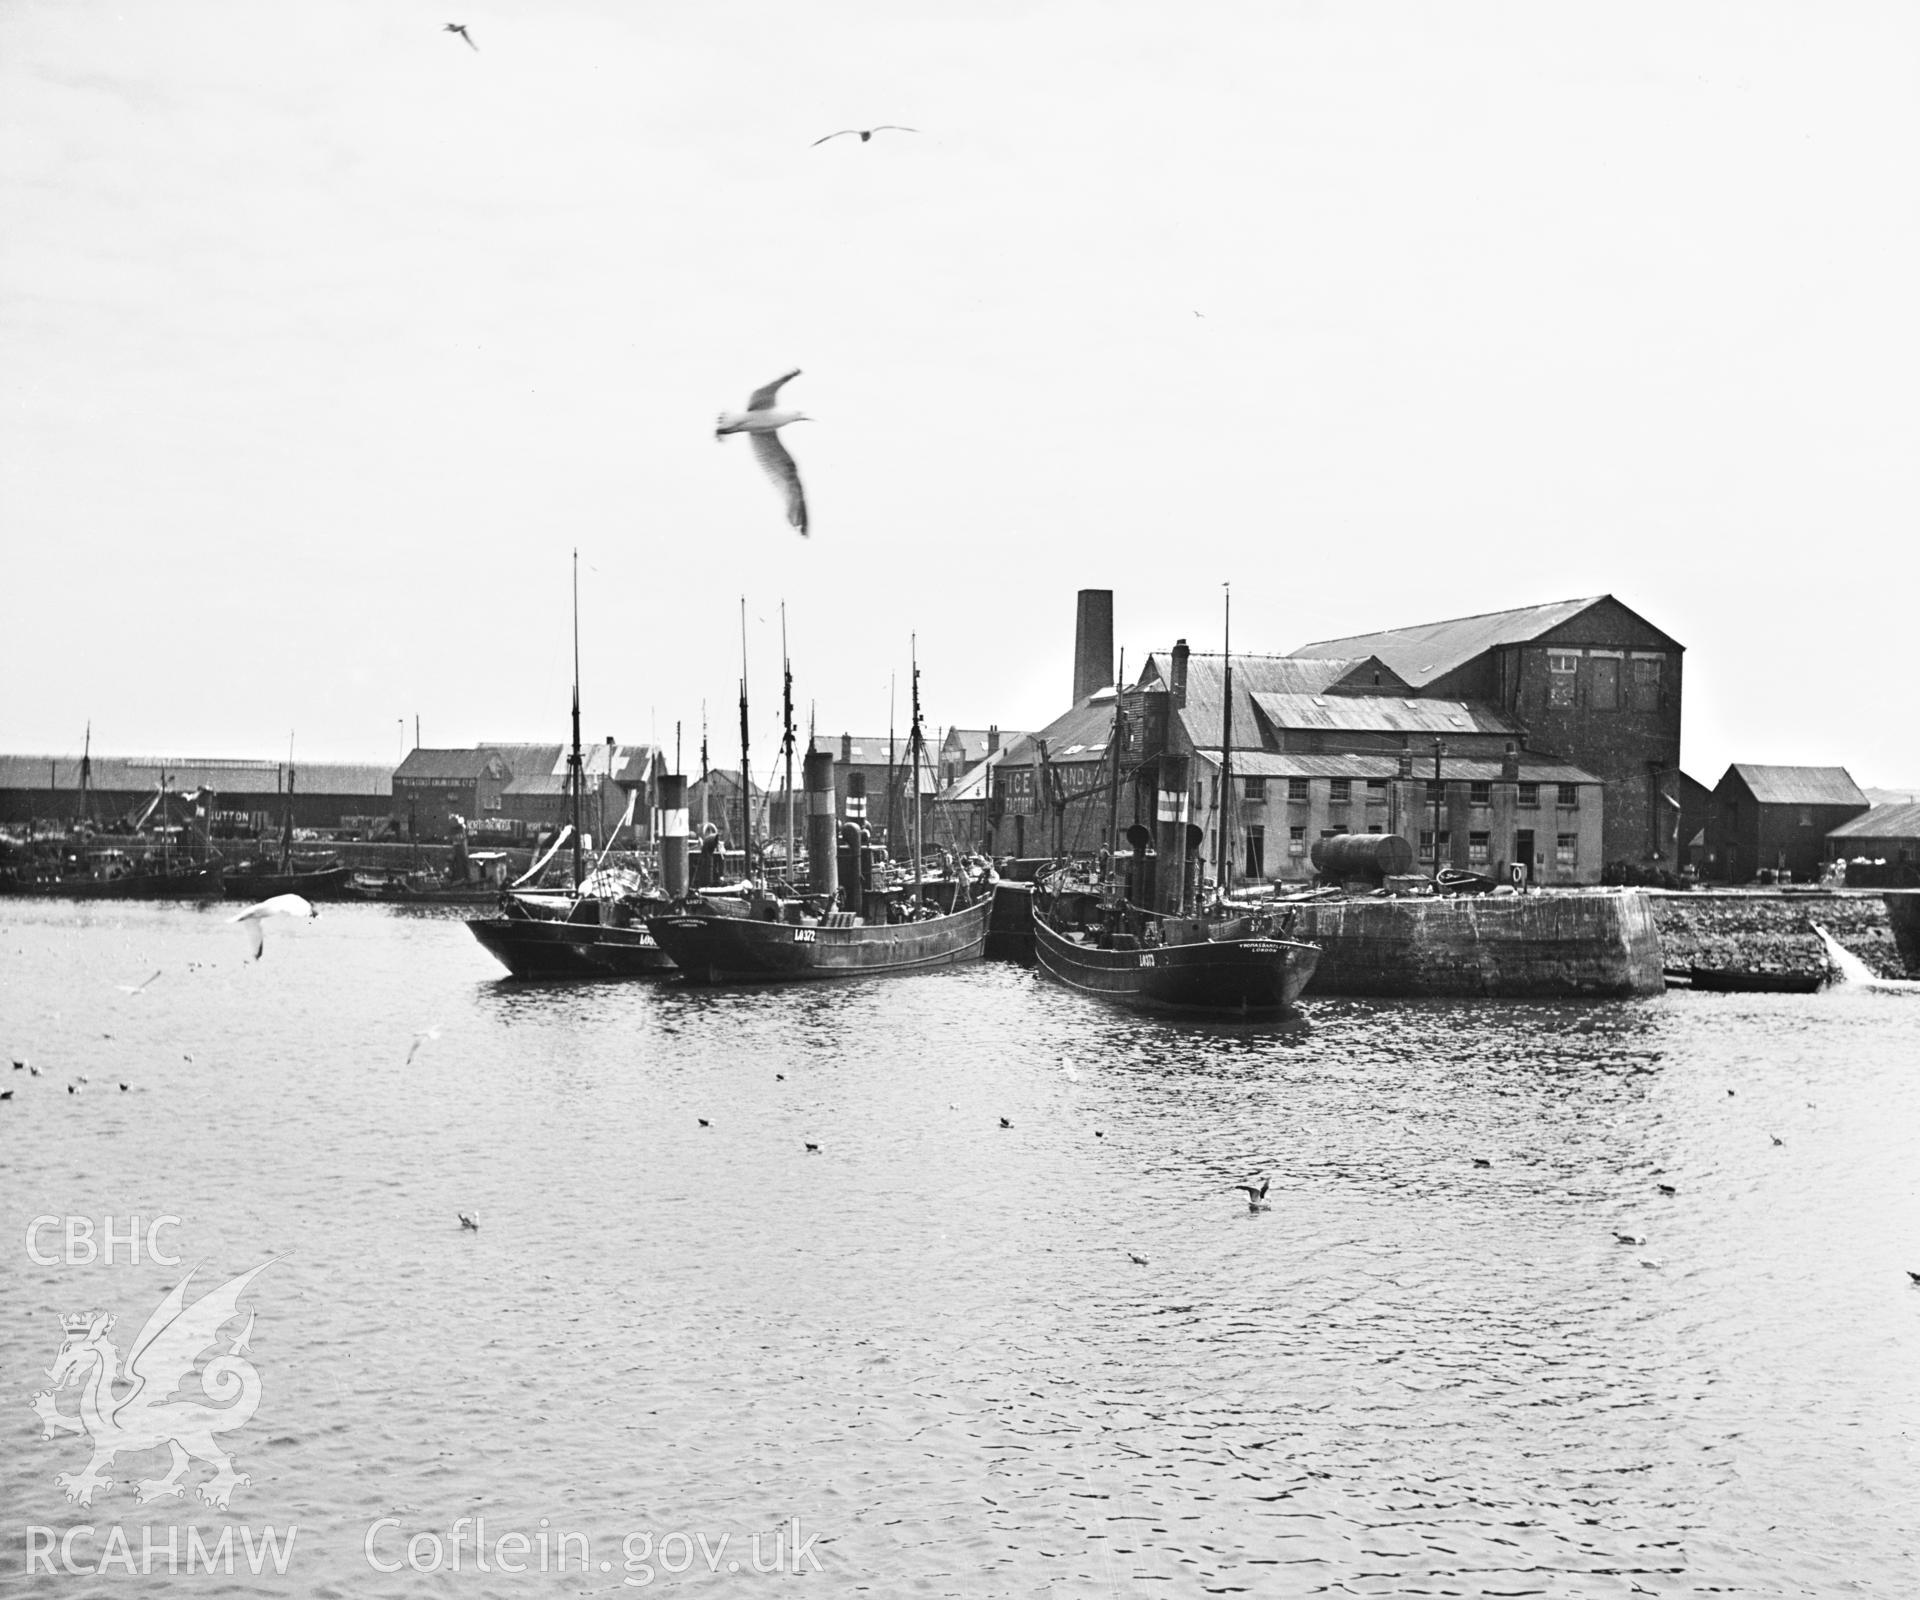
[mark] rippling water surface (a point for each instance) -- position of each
(927, 1345)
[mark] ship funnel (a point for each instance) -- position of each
(673, 835)
(822, 852)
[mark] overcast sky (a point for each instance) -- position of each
(324, 338)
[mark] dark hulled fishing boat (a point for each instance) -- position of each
(324, 879)
(596, 928)
(1190, 967)
(856, 923)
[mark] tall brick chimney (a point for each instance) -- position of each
(1177, 681)
(1092, 643)
(993, 738)
(1510, 762)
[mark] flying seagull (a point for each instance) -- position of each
(867, 133)
(763, 420)
(461, 29)
(1256, 1193)
(279, 905)
(469, 1222)
(419, 1039)
(135, 988)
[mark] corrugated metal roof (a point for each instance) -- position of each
(428, 765)
(1427, 650)
(1078, 735)
(1800, 786)
(1380, 714)
(143, 774)
(1461, 769)
(1882, 822)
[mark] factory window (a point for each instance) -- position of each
(1331, 833)
(1296, 788)
(1436, 790)
(1478, 852)
(1214, 791)
(1257, 791)
(1646, 683)
(1374, 827)
(1564, 848)
(1340, 790)
(1376, 791)
(1426, 842)
(1296, 841)
(1528, 795)
(1256, 850)
(1604, 691)
(1562, 670)
(1479, 793)
(1569, 795)
(1806, 816)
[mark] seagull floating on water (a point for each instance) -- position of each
(1138, 1261)
(813, 1149)
(1005, 1123)
(1257, 1194)
(763, 420)
(867, 133)
(1630, 1238)
(1666, 1188)
(135, 988)
(461, 29)
(469, 1223)
(279, 905)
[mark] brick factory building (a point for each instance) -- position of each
(248, 797)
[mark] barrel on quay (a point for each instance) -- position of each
(1518, 947)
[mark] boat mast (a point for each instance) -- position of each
(1225, 820)
(786, 714)
(1115, 740)
(573, 758)
(286, 828)
(746, 767)
(86, 779)
(914, 743)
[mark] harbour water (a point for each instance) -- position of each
(924, 1356)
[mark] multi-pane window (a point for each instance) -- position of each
(1563, 670)
(1296, 841)
(1646, 683)
(1478, 853)
(1256, 850)
(1376, 791)
(1340, 790)
(1426, 842)
(1479, 793)
(1374, 827)
(1296, 788)
(1528, 795)
(1603, 692)
(1256, 791)
(1569, 795)
(1436, 790)
(1565, 848)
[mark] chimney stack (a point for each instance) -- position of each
(1177, 682)
(1510, 763)
(993, 739)
(1092, 643)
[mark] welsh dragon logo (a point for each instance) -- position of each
(137, 1410)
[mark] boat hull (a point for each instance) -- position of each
(201, 884)
(322, 883)
(711, 947)
(1213, 977)
(530, 947)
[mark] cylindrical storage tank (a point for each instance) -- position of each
(1362, 855)
(822, 851)
(673, 835)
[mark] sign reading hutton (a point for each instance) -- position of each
(135, 1408)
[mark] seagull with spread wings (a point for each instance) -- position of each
(867, 133)
(461, 29)
(279, 905)
(763, 420)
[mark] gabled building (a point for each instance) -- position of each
(431, 787)
(1775, 820)
(1589, 680)
(246, 796)
(1880, 846)
(1348, 748)
(539, 796)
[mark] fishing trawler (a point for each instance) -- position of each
(593, 928)
(857, 916)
